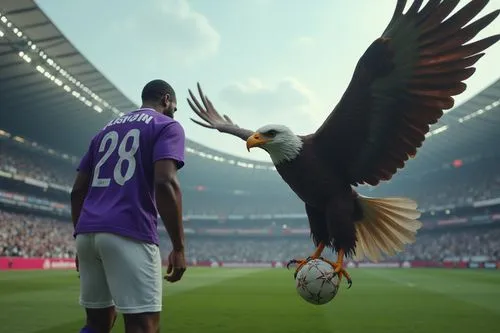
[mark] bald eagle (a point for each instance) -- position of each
(400, 86)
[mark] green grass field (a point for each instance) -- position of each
(254, 300)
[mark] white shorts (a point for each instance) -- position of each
(119, 271)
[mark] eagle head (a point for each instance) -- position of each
(278, 140)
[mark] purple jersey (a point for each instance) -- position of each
(120, 160)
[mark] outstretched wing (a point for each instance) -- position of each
(213, 119)
(401, 85)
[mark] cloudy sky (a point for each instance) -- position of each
(260, 61)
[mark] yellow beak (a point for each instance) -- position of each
(255, 140)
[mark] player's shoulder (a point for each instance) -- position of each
(167, 119)
(167, 123)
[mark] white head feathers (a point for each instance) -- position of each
(282, 145)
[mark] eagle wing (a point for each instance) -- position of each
(401, 86)
(213, 119)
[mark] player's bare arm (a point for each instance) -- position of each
(78, 194)
(169, 203)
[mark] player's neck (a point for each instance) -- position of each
(153, 107)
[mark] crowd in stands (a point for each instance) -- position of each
(460, 186)
(429, 246)
(456, 244)
(31, 236)
(19, 161)
(471, 182)
(462, 192)
(213, 205)
(24, 235)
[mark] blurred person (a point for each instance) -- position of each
(127, 177)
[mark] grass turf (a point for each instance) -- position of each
(264, 300)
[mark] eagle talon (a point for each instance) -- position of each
(339, 269)
(302, 262)
(293, 261)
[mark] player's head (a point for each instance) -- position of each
(159, 95)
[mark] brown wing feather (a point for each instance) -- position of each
(212, 118)
(401, 85)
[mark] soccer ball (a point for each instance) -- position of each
(317, 282)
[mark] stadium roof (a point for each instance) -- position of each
(471, 128)
(51, 94)
(48, 89)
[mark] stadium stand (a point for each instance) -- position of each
(236, 210)
(28, 235)
(448, 245)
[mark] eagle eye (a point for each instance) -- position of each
(271, 133)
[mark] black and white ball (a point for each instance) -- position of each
(317, 282)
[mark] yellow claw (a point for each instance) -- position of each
(337, 266)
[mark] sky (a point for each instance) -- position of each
(259, 61)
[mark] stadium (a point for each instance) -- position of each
(241, 220)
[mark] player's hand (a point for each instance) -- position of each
(176, 266)
(77, 264)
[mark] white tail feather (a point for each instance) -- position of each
(388, 225)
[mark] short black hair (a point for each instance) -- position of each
(155, 90)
